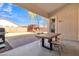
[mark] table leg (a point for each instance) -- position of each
(50, 44)
(42, 42)
(50, 47)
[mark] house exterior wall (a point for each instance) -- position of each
(67, 22)
(78, 21)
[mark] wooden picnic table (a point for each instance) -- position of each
(48, 36)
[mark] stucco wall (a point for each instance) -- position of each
(78, 21)
(16, 30)
(67, 22)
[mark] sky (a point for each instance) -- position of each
(19, 15)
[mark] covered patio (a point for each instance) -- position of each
(62, 18)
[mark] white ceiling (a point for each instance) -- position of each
(49, 7)
(43, 9)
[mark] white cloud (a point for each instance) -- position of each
(8, 8)
(12, 15)
(1, 5)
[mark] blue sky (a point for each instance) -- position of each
(19, 15)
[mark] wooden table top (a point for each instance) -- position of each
(48, 35)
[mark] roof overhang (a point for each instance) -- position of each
(43, 9)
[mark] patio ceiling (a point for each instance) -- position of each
(43, 9)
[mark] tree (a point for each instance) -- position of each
(32, 16)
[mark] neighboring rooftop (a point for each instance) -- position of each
(6, 23)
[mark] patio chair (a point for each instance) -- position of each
(58, 44)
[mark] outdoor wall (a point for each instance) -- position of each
(67, 22)
(16, 30)
(78, 21)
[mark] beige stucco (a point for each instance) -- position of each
(78, 21)
(67, 22)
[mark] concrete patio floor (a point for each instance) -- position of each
(29, 45)
(35, 49)
(14, 40)
(32, 49)
(21, 39)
